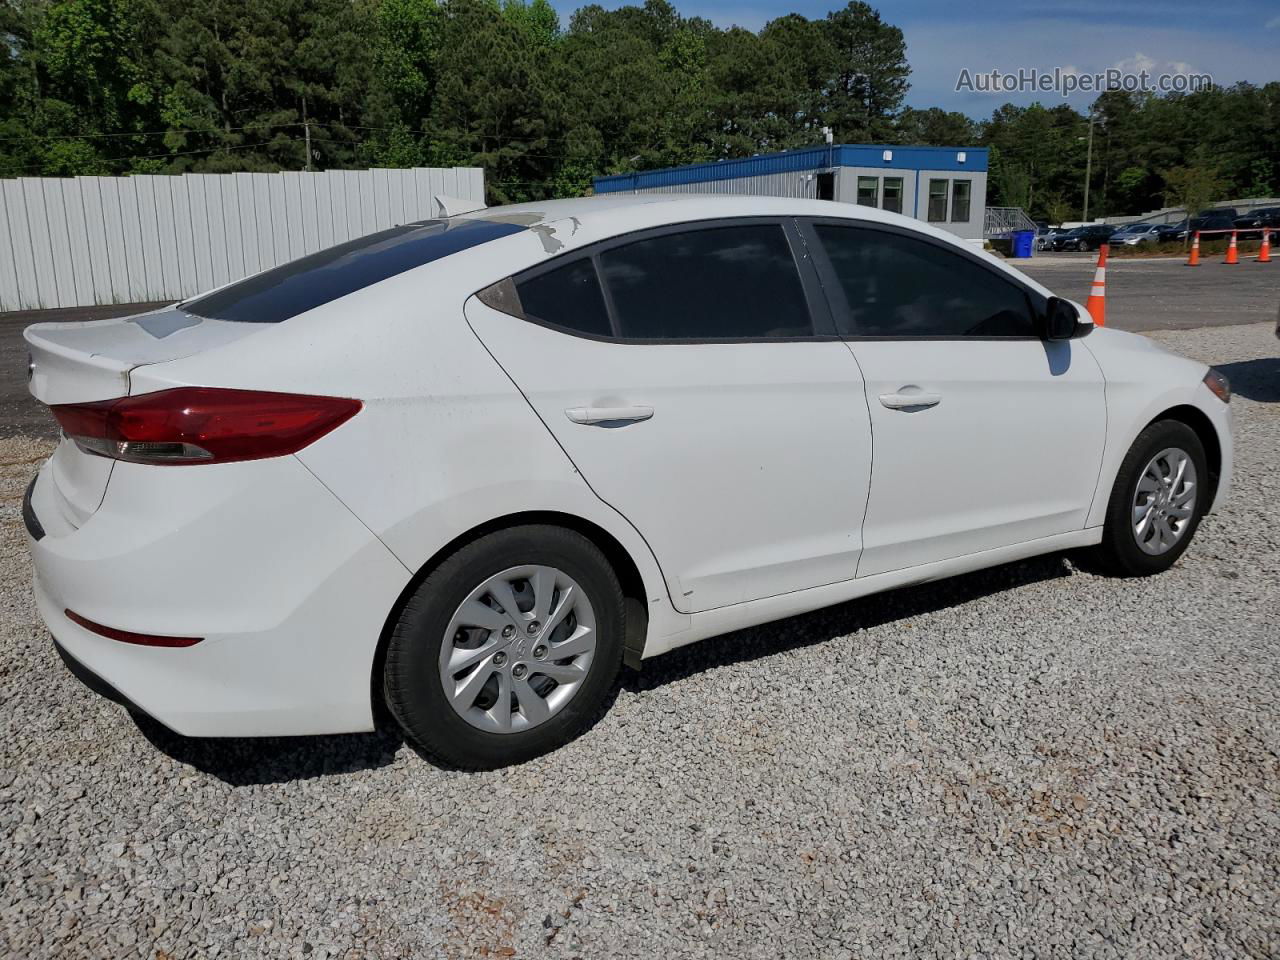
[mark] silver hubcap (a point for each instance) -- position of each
(1165, 501)
(517, 649)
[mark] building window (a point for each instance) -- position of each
(892, 199)
(960, 201)
(937, 201)
(869, 191)
(826, 186)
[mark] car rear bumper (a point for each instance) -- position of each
(286, 589)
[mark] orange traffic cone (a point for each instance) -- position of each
(1194, 259)
(1097, 302)
(1233, 255)
(1264, 252)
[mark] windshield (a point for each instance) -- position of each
(292, 288)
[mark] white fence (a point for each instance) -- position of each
(94, 240)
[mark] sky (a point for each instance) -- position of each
(1233, 41)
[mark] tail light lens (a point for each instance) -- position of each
(189, 425)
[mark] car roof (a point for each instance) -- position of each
(684, 207)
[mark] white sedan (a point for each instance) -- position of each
(469, 467)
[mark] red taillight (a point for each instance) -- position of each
(127, 636)
(189, 425)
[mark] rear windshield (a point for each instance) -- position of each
(301, 285)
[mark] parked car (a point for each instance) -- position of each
(1252, 223)
(1089, 237)
(1133, 234)
(1170, 232)
(1046, 235)
(1061, 237)
(469, 467)
(1211, 220)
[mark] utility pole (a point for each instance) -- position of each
(306, 132)
(1088, 168)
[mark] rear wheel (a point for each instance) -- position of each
(1157, 501)
(507, 649)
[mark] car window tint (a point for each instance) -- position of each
(568, 296)
(898, 286)
(737, 282)
(301, 285)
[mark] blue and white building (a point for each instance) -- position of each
(944, 186)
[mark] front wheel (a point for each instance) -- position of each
(507, 649)
(1157, 501)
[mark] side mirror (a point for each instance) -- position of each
(1061, 319)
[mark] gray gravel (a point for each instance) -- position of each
(1032, 761)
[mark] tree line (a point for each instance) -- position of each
(162, 86)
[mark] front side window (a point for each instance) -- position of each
(869, 191)
(960, 200)
(937, 201)
(292, 288)
(900, 286)
(568, 296)
(892, 194)
(721, 283)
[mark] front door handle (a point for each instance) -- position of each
(910, 401)
(598, 416)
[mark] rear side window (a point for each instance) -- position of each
(301, 285)
(567, 296)
(898, 286)
(722, 283)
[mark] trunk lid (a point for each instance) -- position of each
(90, 361)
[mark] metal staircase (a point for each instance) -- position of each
(1002, 222)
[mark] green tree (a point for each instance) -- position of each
(493, 106)
(868, 78)
(935, 127)
(1192, 187)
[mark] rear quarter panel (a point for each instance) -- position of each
(445, 442)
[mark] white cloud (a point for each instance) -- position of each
(1273, 24)
(1136, 64)
(938, 52)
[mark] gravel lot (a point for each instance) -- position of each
(1033, 761)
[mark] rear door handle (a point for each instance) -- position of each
(594, 416)
(909, 401)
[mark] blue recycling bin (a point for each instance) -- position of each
(1024, 242)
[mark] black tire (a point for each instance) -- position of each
(411, 678)
(1119, 552)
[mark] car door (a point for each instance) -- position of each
(682, 372)
(984, 434)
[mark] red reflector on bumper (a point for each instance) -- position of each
(124, 636)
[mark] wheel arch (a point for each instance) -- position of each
(1199, 421)
(624, 567)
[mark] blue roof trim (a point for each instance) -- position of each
(791, 161)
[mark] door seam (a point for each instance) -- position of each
(576, 469)
(871, 467)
